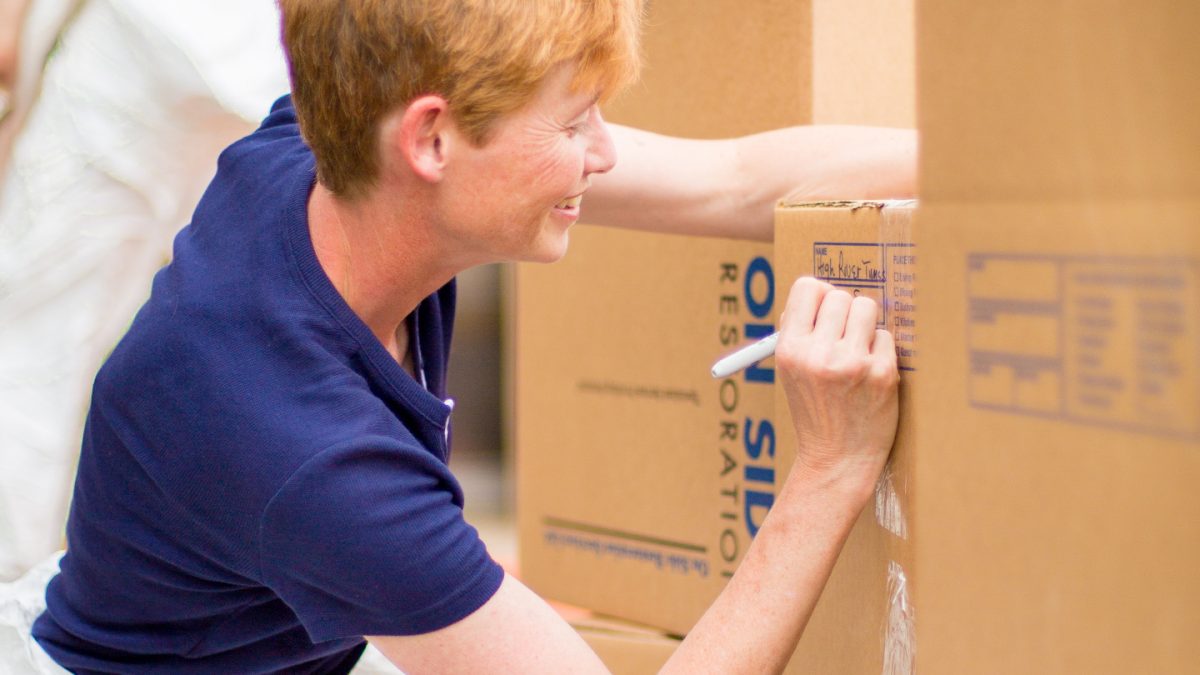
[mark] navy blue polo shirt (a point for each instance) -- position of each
(261, 484)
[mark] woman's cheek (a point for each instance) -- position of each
(562, 169)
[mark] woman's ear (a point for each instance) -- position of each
(417, 136)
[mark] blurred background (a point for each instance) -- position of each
(481, 454)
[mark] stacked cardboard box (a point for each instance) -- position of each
(1040, 512)
(641, 480)
(626, 649)
(1056, 519)
(864, 622)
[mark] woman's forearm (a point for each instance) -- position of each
(729, 188)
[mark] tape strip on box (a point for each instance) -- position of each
(899, 635)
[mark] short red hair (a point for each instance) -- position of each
(354, 61)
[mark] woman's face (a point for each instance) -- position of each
(515, 197)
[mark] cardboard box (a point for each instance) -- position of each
(632, 496)
(1059, 447)
(1059, 99)
(1041, 489)
(864, 621)
(1059, 438)
(721, 68)
(863, 63)
(1055, 439)
(627, 649)
(724, 68)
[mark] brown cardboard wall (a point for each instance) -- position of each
(721, 68)
(1059, 99)
(627, 649)
(1060, 422)
(1059, 440)
(1060, 434)
(853, 84)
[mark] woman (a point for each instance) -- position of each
(263, 479)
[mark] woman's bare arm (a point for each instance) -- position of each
(728, 188)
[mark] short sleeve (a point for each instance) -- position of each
(369, 539)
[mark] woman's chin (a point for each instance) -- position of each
(549, 249)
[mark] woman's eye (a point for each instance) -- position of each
(578, 125)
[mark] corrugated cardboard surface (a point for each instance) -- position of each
(862, 55)
(721, 68)
(627, 649)
(865, 250)
(1059, 99)
(632, 497)
(1060, 439)
(1059, 456)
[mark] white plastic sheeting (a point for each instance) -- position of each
(136, 104)
(21, 602)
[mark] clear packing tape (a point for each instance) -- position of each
(888, 511)
(899, 635)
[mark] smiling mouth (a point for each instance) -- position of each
(569, 203)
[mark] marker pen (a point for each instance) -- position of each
(746, 356)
